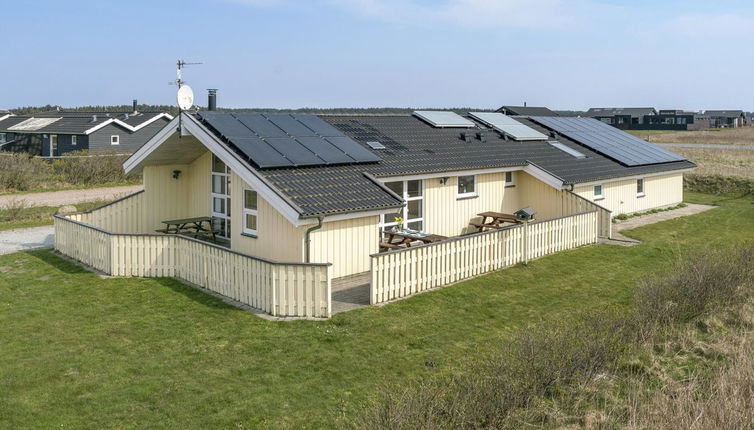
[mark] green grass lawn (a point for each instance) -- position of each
(34, 216)
(80, 351)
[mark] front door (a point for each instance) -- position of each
(220, 198)
(53, 145)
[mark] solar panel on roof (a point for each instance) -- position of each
(263, 140)
(260, 152)
(567, 149)
(443, 118)
(509, 126)
(609, 141)
(353, 149)
(260, 125)
(32, 124)
(289, 125)
(298, 154)
(318, 125)
(325, 150)
(226, 125)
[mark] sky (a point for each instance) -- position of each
(564, 54)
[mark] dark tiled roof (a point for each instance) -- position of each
(527, 111)
(415, 147)
(76, 122)
(640, 111)
(724, 113)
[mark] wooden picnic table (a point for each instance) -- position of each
(497, 219)
(193, 226)
(404, 238)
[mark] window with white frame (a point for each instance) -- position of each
(598, 192)
(74, 140)
(410, 216)
(250, 212)
(510, 180)
(640, 187)
(115, 140)
(466, 186)
(2, 137)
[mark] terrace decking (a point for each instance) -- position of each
(350, 292)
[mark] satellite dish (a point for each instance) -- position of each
(185, 97)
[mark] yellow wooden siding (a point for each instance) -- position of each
(620, 196)
(446, 215)
(168, 198)
(347, 244)
(544, 199)
(277, 239)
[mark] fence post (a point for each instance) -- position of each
(526, 243)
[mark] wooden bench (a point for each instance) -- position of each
(386, 246)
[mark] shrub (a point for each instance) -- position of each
(695, 285)
(540, 363)
(82, 170)
(717, 184)
(20, 172)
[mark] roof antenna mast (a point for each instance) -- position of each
(185, 96)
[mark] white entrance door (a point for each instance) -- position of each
(220, 198)
(53, 145)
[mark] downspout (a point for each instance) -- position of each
(308, 240)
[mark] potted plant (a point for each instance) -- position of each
(398, 227)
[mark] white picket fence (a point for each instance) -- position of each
(280, 289)
(401, 273)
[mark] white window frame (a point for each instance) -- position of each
(247, 211)
(404, 210)
(601, 194)
(511, 183)
(74, 140)
(57, 144)
(225, 178)
(2, 137)
(643, 187)
(114, 139)
(468, 194)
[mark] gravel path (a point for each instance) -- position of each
(69, 197)
(26, 238)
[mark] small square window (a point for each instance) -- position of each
(640, 187)
(598, 192)
(115, 140)
(509, 179)
(466, 186)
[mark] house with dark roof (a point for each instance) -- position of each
(295, 204)
(55, 133)
(623, 118)
(726, 118)
(527, 111)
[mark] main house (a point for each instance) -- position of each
(55, 133)
(328, 189)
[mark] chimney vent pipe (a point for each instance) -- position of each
(212, 99)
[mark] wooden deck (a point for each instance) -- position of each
(350, 292)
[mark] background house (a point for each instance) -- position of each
(527, 111)
(622, 118)
(726, 118)
(56, 133)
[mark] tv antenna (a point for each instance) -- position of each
(185, 95)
